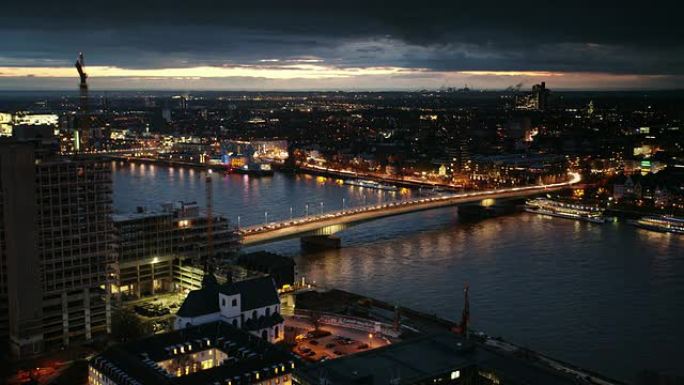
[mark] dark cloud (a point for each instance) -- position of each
(597, 36)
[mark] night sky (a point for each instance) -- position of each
(350, 45)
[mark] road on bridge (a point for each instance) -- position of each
(285, 229)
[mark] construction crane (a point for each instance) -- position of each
(462, 327)
(209, 259)
(82, 133)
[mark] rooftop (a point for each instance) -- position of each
(137, 362)
(426, 357)
(254, 293)
(266, 259)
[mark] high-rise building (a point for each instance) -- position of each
(536, 100)
(55, 245)
(541, 95)
(161, 251)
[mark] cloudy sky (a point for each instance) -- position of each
(350, 45)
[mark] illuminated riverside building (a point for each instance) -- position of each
(5, 124)
(518, 169)
(55, 232)
(161, 251)
(209, 354)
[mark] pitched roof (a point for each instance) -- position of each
(254, 293)
(200, 302)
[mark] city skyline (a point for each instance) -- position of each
(335, 193)
(351, 46)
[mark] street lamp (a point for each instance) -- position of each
(290, 213)
(306, 210)
(343, 204)
(321, 208)
(265, 217)
(238, 222)
(370, 340)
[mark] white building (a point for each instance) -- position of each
(252, 305)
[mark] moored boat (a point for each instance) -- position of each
(560, 209)
(662, 223)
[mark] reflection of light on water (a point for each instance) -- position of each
(487, 202)
(321, 179)
(332, 229)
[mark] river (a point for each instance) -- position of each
(605, 297)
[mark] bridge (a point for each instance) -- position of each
(336, 220)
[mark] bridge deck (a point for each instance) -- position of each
(285, 229)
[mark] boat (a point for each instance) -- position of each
(560, 209)
(662, 223)
(255, 169)
(370, 184)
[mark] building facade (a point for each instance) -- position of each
(56, 240)
(161, 251)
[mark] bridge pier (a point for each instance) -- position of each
(320, 242)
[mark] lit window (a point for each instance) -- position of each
(455, 374)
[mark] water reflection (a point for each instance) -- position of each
(607, 297)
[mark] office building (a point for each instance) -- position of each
(55, 243)
(162, 251)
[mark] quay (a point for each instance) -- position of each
(413, 325)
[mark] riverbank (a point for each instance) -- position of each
(413, 323)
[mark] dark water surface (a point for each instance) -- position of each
(606, 297)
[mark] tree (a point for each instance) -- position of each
(127, 326)
(315, 319)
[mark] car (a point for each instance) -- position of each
(330, 345)
(339, 353)
(362, 346)
(304, 350)
(310, 354)
(313, 342)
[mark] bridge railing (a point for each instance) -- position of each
(369, 208)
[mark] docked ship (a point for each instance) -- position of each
(662, 223)
(370, 184)
(560, 209)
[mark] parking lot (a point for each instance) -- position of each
(158, 310)
(324, 345)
